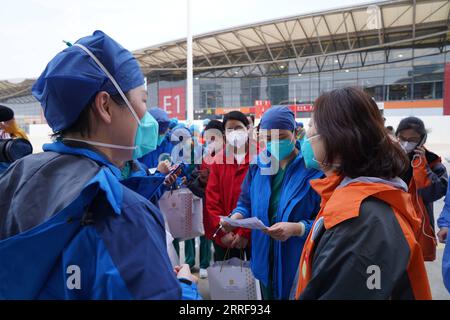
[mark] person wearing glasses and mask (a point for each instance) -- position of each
(362, 244)
(75, 222)
(426, 178)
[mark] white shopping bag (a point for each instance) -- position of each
(183, 212)
(233, 280)
(173, 256)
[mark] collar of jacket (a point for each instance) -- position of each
(341, 204)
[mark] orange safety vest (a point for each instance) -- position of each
(339, 205)
(425, 235)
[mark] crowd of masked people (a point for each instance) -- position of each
(347, 202)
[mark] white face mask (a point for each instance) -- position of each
(237, 138)
(408, 146)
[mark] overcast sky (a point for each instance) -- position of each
(31, 31)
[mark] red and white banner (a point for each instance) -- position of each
(261, 106)
(302, 108)
(173, 101)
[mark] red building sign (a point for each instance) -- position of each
(173, 101)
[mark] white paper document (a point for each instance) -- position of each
(250, 223)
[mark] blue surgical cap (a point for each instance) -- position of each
(278, 117)
(161, 116)
(179, 131)
(194, 128)
(182, 129)
(72, 78)
(173, 123)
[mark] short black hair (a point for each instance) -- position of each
(235, 115)
(412, 123)
(215, 124)
(252, 116)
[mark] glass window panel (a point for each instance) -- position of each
(438, 90)
(423, 90)
(399, 92)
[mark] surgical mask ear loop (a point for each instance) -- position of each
(418, 203)
(100, 144)
(414, 158)
(111, 78)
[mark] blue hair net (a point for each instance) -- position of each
(194, 128)
(161, 116)
(72, 78)
(278, 117)
(173, 123)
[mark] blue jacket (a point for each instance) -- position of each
(3, 166)
(69, 229)
(298, 202)
(151, 159)
(444, 221)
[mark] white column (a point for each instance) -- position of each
(190, 71)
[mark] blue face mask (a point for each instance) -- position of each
(308, 154)
(146, 136)
(281, 149)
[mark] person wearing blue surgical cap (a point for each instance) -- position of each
(75, 221)
(195, 132)
(164, 146)
(187, 150)
(299, 131)
(288, 205)
(205, 123)
(173, 123)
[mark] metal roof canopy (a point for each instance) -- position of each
(11, 90)
(339, 31)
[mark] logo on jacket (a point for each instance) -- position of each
(374, 280)
(74, 278)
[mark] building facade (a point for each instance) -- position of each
(397, 51)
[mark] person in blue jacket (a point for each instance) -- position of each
(186, 149)
(278, 192)
(75, 222)
(444, 223)
(164, 146)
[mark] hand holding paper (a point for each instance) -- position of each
(249, 223)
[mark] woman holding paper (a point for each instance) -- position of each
(276, 190)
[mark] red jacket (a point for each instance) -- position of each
(222, 194)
